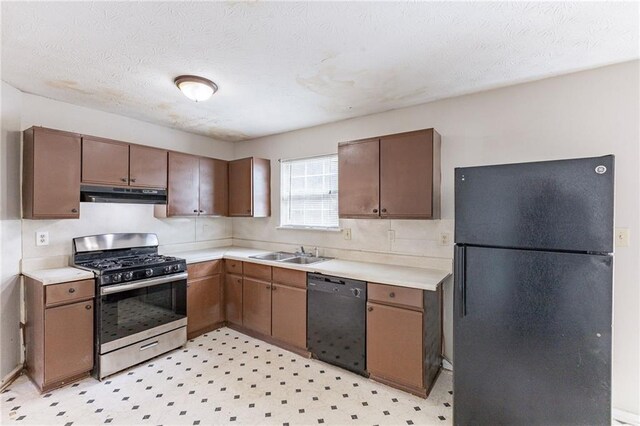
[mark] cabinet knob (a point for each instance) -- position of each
(268, 287)
(195, 211)
(392, 295)
(74, 210)
(274, 288)
(375, 210)
(87, 307)
(384, 210)
(248, 210)
(370, 308)
(123, 179)
(72, 290)
(133, 179)
(201, 211)
(239, 280)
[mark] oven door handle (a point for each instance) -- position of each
(118, 288)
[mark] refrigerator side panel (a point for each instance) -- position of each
(533, 339)
(551, 205)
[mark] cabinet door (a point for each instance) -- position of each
(394, 344)
(52, 177)
(213, 187)
(204, 304)
(68, 336)
(289, 315)
(406, 175)
(256, 305)
(105, 162)
(359, 179)
(241, 187)
(233, 298)
(148, 167)
(182, 191)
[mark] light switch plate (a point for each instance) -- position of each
(622, 237)
(445, 239)
(42, 238)
(347, 233)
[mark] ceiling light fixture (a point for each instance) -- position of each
(196, 88)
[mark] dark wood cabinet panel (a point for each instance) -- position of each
(183, 187)
(105, 162)
(147, 167)
(68, 339)
(359, 179)
(290, 277)
(51, 174)
(204, 305)
(204, 269)
(394, 295)
(289, 315)
(250, 187)
(233, 298)
(256, 305)
(406, 175)
(395, 345)
(213, 187)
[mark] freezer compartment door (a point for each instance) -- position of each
(550, 205)
(532, 338)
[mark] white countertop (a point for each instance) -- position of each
(59, 275)
(404, 276)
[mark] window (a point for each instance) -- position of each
(309, 192)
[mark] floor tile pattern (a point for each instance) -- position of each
(225, 377)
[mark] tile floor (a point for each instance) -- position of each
(225, 377)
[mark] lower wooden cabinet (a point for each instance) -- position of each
(256, 305)
(233, 298)
(59, 335)
(394, 344)
(205, 309)
(289, 315)
(404, 336)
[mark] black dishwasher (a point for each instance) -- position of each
(336, 320)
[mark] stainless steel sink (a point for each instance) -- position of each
(305, 260)
(277, 256)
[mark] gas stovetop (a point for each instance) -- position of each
(117, 258)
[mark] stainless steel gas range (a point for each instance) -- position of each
(141, 298)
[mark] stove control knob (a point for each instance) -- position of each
(148, 272)
(128, 275)
(176, 268)
(116, 277)
(167, 269)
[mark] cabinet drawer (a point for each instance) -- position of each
(394, 295)
(233, 266)
(204, 269)
(56, 294)
(260, 272)
(290, 277)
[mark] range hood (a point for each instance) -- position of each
(106, 194)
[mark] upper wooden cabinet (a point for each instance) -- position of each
(250, 187)
(51, 174)
(108, 162)
(395, 176)
(197, 187)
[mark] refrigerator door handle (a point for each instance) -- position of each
(460, 279)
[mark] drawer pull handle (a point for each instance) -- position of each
(375, 210)
(392, 295)
(133, 179)
(123, 179)
(74, 210)
(268, 287)
(87, 307)
(384, 210)
(72, 290)
(274, 288)
(370, 308)
(149, 345)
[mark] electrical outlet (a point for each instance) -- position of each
(42, 238)
(445, 238)
(391, 235)
(347, 233)
(622, 237)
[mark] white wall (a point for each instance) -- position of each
(10, 236)
(589, 113)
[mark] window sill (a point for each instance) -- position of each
(308, 228)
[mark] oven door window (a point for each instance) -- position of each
(133, 311)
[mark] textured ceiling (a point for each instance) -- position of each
(287, 65)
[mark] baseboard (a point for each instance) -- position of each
(625, 417)
(9, 378)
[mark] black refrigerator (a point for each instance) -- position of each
(533, 293)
